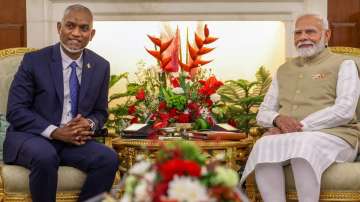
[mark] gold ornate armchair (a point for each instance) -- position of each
(14, 182)
(340, 182)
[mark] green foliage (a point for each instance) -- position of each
(115, 78)
(172, 100)
(188, 151)
(118, 114)
(148, 79)
(241, 99)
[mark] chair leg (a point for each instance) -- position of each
(251, 189)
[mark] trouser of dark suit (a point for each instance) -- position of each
(43, 157)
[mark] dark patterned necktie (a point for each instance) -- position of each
(74, 89)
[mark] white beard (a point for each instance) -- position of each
(69, 49)
(311, 51)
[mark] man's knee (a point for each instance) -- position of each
(108, 158)
(46, 160)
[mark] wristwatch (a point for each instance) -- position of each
(92, 124)
(274, 121)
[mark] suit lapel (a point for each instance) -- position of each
(57, 73)
(87, 72)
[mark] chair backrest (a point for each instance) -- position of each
(9, 62)
(355, 54)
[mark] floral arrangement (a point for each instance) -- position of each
(179, 174)
(174, 91)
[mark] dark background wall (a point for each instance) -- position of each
(12, 23)
(344, 20)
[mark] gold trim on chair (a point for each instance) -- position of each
(15, 51)
(332, 196)
(60, 197)
(345, 50)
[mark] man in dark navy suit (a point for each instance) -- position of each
(57, 99)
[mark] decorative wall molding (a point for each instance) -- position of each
(42, 15)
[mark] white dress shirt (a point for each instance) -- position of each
(347, 94)
(66, 112)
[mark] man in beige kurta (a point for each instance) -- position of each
(310, 112)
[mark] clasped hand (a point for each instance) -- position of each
(76, 132)
(285, 124)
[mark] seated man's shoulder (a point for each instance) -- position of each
(37, 57)
(289, 62)
(43, 52)
(99, 59)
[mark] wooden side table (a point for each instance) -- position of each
(236, 152)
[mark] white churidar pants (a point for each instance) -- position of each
(309, 154)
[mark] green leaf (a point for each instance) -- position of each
(115, 78)
(117, 96)
(133, 88)
(242, 98)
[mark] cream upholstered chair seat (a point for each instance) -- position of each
(340, 182)
(14, 184)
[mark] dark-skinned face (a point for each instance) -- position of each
(75, 32)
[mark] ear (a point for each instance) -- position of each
(327, 36)
(58, 25)
(92, 34)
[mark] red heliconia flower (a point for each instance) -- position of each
(195, 61)
(210, 40)
(164, 62)
(198, 63)
(154, 53)
(140, 95)
(185, 67)
(205, 50)
(206, 31)
(132, 109)
(173, 52)
(155, 40)
(168, 55)
(192, 52)
(198, 40)
(165, 45)
(175, 82)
